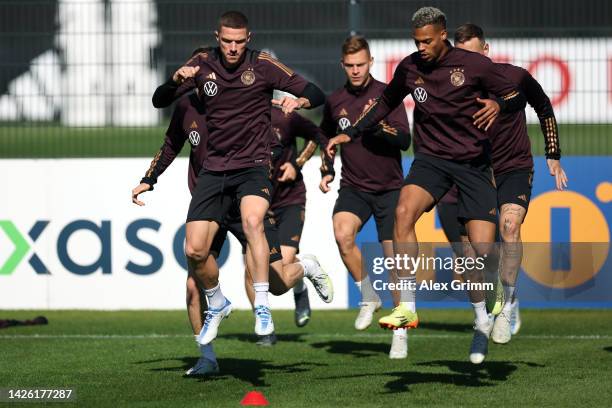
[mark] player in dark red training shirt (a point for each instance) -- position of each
(371, 174)
(188, 123)
(450, 148)
(236, 86)
(513, 167)
(289, 196)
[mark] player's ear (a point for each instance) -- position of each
(248, 37)
(371, 62)
(486, 49)
(217, 35)
(444, 35)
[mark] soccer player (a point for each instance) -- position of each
(236, 85)
(371, 174)
(188, 123)
(513, 167)
(289, 198)
(449, 143)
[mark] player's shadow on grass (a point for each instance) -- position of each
(354, 348)
(463, 373)
(247, 370)
(489, 370)
(448, 327)
(608, 349)
(404, 381)
(252, 338)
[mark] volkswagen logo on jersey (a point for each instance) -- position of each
(344, 123)
(210, 88)
(194, 138)
(420, 94)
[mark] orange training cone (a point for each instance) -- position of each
(254, 398)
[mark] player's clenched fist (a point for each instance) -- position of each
(324, 184)
(184, 73)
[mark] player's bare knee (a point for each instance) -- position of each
(196, 252)
(252, 224)
(511, 230)
(484, 249)
(405, 220)
(344, 239)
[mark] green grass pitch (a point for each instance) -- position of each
(48, 141)
(560, 358)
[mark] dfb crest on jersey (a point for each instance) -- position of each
(210, 88)
(344, 123)
(247, 77)
(457, 77)
(420, 94)
(194, 138)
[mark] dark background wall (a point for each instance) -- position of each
(304, 34)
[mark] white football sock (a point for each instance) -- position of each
(480, 312)
(508, 292)
(215, 297)
(261, 293)
(400, 332)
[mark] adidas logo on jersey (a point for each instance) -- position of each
(343, 112)
(522, 197)
(211, 76)
(194, 125)
(419, 81)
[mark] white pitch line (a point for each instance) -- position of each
(305, 336)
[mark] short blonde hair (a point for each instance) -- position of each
(355, 44)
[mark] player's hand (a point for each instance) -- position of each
(289, 104)
(554, 166)
(484, 118)
(289, 173)
(331, 148)
(184, 73)
(324, 184)
(139, 189)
